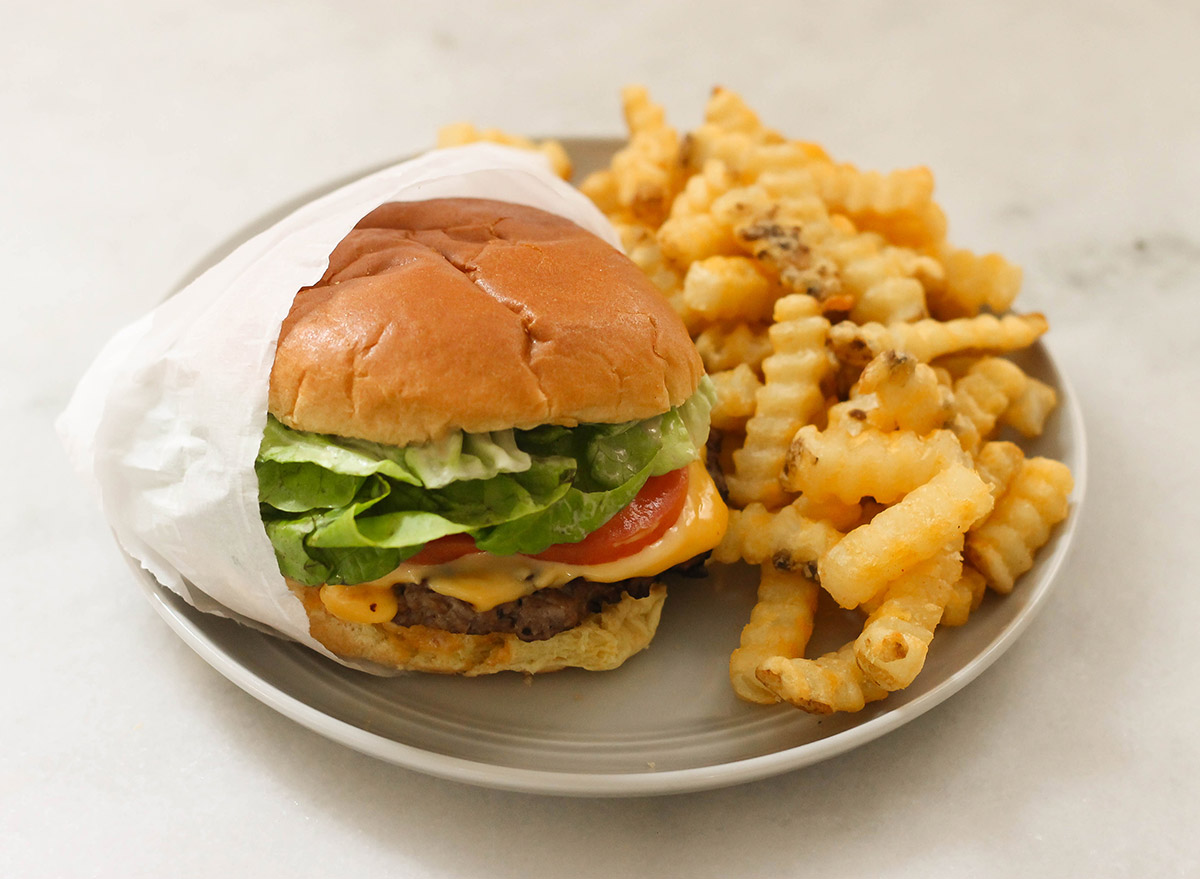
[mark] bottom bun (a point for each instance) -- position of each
(602, 641)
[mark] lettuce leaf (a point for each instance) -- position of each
(341, 510)
(456, 457)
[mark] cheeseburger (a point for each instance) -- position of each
(484, 444)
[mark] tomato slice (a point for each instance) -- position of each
(642, 522)
(646, 519)
(444, 549)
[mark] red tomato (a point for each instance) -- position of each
(444, 549)
(646, 519)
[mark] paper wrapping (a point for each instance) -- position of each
(166, 423)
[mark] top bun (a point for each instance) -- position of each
(477, 315)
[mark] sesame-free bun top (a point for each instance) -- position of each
(477, 315)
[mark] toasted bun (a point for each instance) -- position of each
(602, 641)
(476, 315)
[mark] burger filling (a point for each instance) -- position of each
(345, 511)
(536, 617)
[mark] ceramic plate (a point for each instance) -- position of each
(666, 721)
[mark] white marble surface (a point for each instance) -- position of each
(137, 137)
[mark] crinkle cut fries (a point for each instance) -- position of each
(859, 362)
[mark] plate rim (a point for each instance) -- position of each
(650, 782)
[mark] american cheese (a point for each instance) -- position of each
(485, 581)
(360, 604)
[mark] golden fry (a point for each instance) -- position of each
(1002, 547)
(736, 390)
(841, 516)
(890, 300)
(787, 236)
(723, 347)
(648, 172)
(973, 281)
(728, 288)
(460, 133)
(903, 535)
(904, 394)
(929, 339)
(883, 466)
(985, 393)
(788, 538)
(965, 597)
(854, 350)
(790, 398)
(898, 205)
(1028, 412)
(887, 284)
(895, 639)
(998, 463)
(641, 246)
(780, 625)
(834, 682)
(691, 232)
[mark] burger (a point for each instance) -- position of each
(484, 444)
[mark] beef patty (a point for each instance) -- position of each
(535, 617)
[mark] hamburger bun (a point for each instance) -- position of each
(476, 315)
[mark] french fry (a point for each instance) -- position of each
(929, 339)
(954, 366)
(728, 288)
(895, 639)
(998, 463)
(790, 398)
(723, 347)
(883, 466)
(780, 625)
(890, 300)
(898, 205)
(1028, 412)
(601, 187)
(787, 164)
(981, 397)
(787, 538)
(787, 236)
(903, 535)
(641, 246)
(691, 232)
(973, 281)
(834, 682)
(727, 111)
(460, 133)
(1002, 547)
(905, 393)
(648, 172)
(965, 597)
(736, 390)
(730, 132)
(858, 361)
(887, 284)
(842, 516)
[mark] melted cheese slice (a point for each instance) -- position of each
(360, 604)
(485, 581)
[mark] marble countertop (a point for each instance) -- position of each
(138, 139)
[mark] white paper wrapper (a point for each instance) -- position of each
(167, 421)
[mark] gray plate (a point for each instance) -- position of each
(666, 721)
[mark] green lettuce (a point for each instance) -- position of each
(340, 510)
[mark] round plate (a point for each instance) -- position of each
(665, 722)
